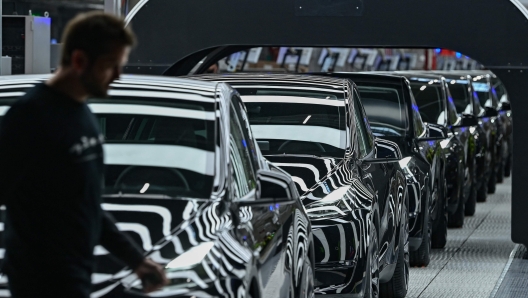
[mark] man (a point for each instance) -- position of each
(51, 171)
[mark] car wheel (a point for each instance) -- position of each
(492, 183)
(422, 256)
(372, 269)
(456, 220)
(507, 166)
(482, 193)
(307, 285)
(471, 203)
(500, 171)
(398, 286)
(439, 235)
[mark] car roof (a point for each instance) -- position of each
(420, 75)
(367, 76)
(305, 80)
(452, 75)
(152, 83)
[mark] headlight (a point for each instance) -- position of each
(191, 258)
(333, 205)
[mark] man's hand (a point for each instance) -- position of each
(152, 275)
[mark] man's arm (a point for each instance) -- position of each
(119, 244)
(122, 246)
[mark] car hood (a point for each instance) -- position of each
(163, 227)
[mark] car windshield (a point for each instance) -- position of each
(429, 100)
(289, 121)
(459, 92)
(385, 108)
(155, 149)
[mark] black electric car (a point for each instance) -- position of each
(505, 111)
(483, 91)
(186, 179)
(436, 105)
(393, 115)
(498, 90)
(351, 183)
(466, 102)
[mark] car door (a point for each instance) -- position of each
(378, 177)
(260, 227)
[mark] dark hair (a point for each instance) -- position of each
(97, 34)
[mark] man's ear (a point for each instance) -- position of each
(79, 61)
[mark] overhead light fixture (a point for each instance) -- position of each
(423, 88)
(307, 118)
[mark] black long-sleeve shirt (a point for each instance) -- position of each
(51, 171)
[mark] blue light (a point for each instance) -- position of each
(431, 143)
(450, 99)
(438, 51)
(494, 91)
(481, 87)
(53, 41)
(276, 206)
(458, 55)
(415, 107)
(46, 21)
(271, 208)
(244, 143)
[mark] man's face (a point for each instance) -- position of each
(102, 72)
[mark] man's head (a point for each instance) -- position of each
(95, 46)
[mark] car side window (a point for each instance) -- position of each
(246, 128)
(451, 109)
(242, 168)
(419, 126)
(364, 138)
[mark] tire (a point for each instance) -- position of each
(456, 220)
(492, 183)
(439, 235)
(307, 285)
(398, 286)
(372, 279)
(422, 256)
(482, 192)
(500, 171)
(471, 203)
(507, 167)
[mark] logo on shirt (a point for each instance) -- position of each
(86, 143)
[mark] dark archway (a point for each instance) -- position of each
(494, 32)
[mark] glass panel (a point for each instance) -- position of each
(461, 98)
(244, 180)
(430, 102)
(296, 122)
(157, 150)
(364, 141)
(385, 109)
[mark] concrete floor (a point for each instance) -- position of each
(475, 256)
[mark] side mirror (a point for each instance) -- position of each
(273, 188)
(435, 132)
(467, 120)
(505, 106)
(384, 151)
(491, 112)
